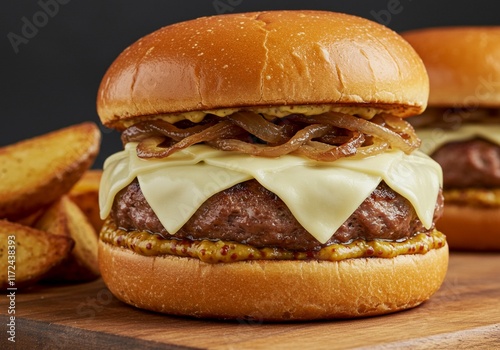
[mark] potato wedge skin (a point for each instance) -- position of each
(85, 194)
(65, 218)
(53, 220)
(30, 219)
(37, 171)
(36, 253)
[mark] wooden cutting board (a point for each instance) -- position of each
(463, 314)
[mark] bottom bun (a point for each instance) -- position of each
(272, 290)
(471, 228)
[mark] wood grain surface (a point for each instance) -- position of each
(463, 314)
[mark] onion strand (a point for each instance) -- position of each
(301, 137)
(324, 137)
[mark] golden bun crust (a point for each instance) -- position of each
(471, 228)
(272, 290)
(462, 63)
(264, 59)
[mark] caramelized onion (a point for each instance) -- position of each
(142, 130)
(301, 137)
(376, 147)
(258, 126)
(404, 129)
(352, 123)
(327, 153)
(325, 137)
(150, 147)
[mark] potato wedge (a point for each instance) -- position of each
(65, 218)
(36, 253)
(85, 194)
(30, 219)
(54, 220)
(37, 171)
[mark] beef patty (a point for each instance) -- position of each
(471, 163)
(250, 214)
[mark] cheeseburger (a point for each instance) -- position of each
(461, 129)
(268, 172)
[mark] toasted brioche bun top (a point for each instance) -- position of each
(463, 64)
(264, 59)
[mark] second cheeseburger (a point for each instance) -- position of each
(461, 128)
(268, 172)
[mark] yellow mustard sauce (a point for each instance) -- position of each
(270, 112)
(148, 244)
(473, 196)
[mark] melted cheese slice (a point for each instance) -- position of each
(321, 195)
(433, 138)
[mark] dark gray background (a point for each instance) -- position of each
(52, 80)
